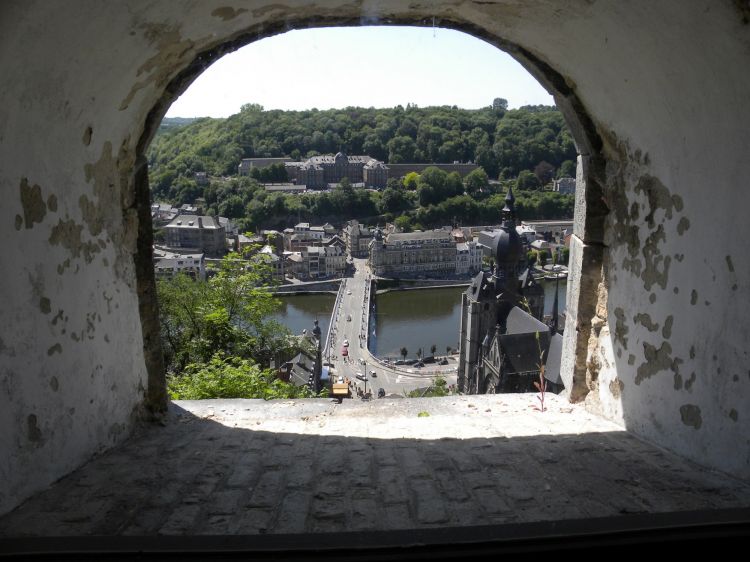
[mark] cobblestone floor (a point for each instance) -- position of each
(309, 466)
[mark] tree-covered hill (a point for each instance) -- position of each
(504, 142)
(524, 147)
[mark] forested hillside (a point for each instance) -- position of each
(524, 147)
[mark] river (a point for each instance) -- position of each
(412, 319)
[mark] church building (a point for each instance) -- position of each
(502, 347)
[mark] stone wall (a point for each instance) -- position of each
(656, 103)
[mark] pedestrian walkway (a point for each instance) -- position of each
(250, 467)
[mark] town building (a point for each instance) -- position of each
(357, 238)
(502, 347)
(430, 252)
(294, 264)
(322, 261)
(320, 172)
(468, 258)
(566, 186)
(162, 213)
(317, 172)
(168, 263)
(303, 234)
(551, 230)
(306, 367)
(276, 263)
(201, 233)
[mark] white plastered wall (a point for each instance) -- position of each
(664, 84)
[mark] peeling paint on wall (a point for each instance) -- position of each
(691, 415)
(656, 360)
(730, 265)
(644, 318)
(666, 331)
(172, 52)
(33, 433)
(34, 208)
(227, 13)
(621, 328)
(683, 225)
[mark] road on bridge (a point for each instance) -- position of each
(349, 323)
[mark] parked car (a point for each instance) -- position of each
(418, 364)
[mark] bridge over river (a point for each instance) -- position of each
(350, 321)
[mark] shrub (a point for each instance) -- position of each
(230, 377)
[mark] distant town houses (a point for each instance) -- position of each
(197, 232)
(275, 263)
(168, 263)
(307, 251)
(320, 172)
(357, 238)
(565, 186)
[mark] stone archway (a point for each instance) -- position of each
(661, 304)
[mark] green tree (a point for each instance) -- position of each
(476, 181)
(403, 223)
(499, 104)
(433, 349)
(411, 181)
(229, 313)
(567, 169)
(393, 201)
(404, 353)
(527, 181)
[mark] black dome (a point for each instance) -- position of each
(506, 245)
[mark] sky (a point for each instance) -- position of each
(360, 66)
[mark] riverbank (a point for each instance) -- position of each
(385, 285)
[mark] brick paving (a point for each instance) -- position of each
(248, 467)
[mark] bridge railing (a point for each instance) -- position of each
(334, 317)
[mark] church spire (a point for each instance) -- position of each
(509, 211)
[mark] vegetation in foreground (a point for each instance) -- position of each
(216, 334)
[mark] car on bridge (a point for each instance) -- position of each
(346, 343)
(373, 374)
(362, 377)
